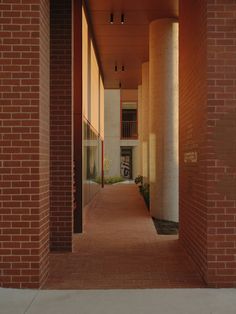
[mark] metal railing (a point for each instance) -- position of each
(129, 130)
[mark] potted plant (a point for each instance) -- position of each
(139, 181)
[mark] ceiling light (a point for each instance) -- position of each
(122, 18)
(112, 18)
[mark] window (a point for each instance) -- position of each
(129, 126)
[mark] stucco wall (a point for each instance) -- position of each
(112, 132)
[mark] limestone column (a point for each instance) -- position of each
(140, 169)
(145, 121)
(163, 115)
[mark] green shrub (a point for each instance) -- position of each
(144, 189)
(139, 180)
(109, 180)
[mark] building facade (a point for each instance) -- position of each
(45, 149)
(121, 134)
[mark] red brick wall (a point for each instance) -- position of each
(208, 127)
(24, 165)
(61, 210)
(44, 139)
(221, 166)
(193, 101)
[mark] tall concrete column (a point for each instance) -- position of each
(140, 132)
(145, 121)
(163, 115)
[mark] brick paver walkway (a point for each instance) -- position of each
(120, 249)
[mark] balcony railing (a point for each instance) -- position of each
(129, 130)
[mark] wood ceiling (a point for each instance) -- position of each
(125, 45)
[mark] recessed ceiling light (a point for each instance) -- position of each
(122, 18)
(112, 18)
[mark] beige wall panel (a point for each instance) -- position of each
(135, 160)
(145, 121)
(94, 91)
(140, 168)
(101, 128)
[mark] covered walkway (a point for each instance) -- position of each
(120, 249)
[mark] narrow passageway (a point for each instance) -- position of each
(121, 249)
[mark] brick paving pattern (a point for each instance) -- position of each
(120, 249)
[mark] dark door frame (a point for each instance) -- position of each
(129, 153)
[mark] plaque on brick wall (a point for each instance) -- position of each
(190, 157)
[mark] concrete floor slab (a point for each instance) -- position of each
(166, 301)
(15, 300)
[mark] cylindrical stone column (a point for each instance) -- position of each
(145, 121)
(163, 115)
(140, 133)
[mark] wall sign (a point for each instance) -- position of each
(190, 157)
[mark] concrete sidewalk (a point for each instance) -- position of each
(166, 301)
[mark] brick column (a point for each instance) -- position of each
(192, 115)
(61, 150)
(221, 145)
(207, 137)
(24, 143)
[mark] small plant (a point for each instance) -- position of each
(139, 180)
(144, 189)
(146, 194)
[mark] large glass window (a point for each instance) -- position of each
(93, 117)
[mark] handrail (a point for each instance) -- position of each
(129, 130)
